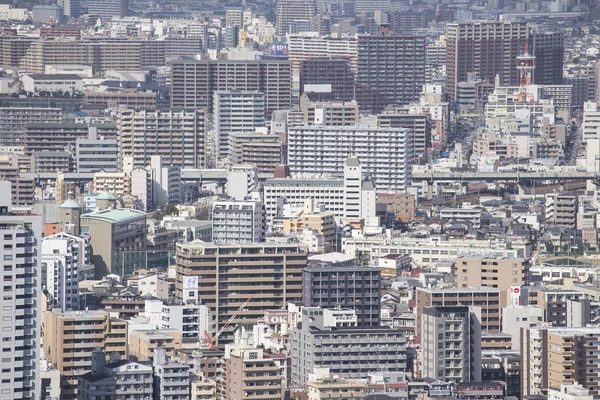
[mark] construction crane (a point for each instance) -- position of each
(211, 341)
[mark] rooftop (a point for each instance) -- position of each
(332, 258)
(54, 76)
(115, 216)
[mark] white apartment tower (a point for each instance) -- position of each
(236, 111)
(65, 262)
(385, 153)
(21, 235)
(238, 222)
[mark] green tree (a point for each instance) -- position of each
(171, 209)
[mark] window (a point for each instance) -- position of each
(253, 356)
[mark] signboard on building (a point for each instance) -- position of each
(279, 50)
(276, 317)
(515, 296)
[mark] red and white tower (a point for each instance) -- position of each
(525, 65)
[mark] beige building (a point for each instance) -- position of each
(500, 273)
(553, 357)
(143, 342)
(554, 303)
(250, 374)
(22, 188)
(323, 223)
(264, 151)
(118, 183)
(118, 239)
(178, 136)
(488, 299)
(70, 338)
(226, 275)
(402, 205)
(329, 114)
(331, 388)
(129, 98)
(492, 143)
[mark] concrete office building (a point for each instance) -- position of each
(107, 9)
(277, 268)
(451, 343)
(195, 81)
(58, 136)
(486, 49)
(125, 379)
(65, 262)
(14, 119)
(331, 339)
(385, 153)
(96, 154)
(171, 379)
(495, 272)
(238, 222)
(179, 137)
(21, 301)
(392, 65)
(335, 281)
(118, 240)
(93, 329)
(488, 299)
(289, 11)
(236, 111)
(420, 124)
(552, 357)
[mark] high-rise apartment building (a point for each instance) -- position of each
(289, 11)
(485, 49)
(250, 373)
(385, 153)
(171, 379)
(14, 119)
(70, 339)
(96, 153)
(488, 299)
(302, 47)
(22, 188)
(58, 136)
(331, 339)
(394, 66)
(328, 282)
(552, 357)
(179, 137)
(107, 9)
(224, 276)
(238, 222)
(71, 8)
(451, 344)
(65, 262)
(194, 82)
(21, 301)
(548, 49)
(236, 111)
(420, 124)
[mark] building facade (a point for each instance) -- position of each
(238, 222)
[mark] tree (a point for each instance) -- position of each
(171, 209)
(157, 216)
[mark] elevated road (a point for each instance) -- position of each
(504, 176)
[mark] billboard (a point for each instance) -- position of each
(276, 317)
(279, 50)
(190, 282)
(515, 296)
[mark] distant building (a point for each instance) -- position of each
(171, 379)
(290, 11)
(238, 222)
(108, 9)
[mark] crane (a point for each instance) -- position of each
(211, 341)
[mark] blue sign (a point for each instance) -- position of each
(279, 50)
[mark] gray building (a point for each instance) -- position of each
(96, 153)
(14, 119)
(392, 65)
(236, 111)
(45, 13)
(118, 380)
(451, 343)
(238, 222)
(420, 125)
(331, 339)
(171, 379)
(331, 281)
(106, 9)
(21, 308)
